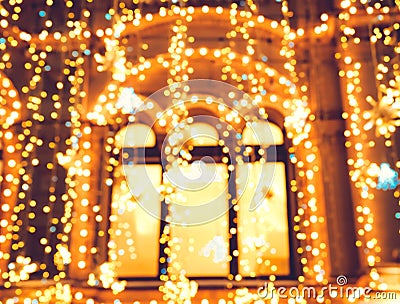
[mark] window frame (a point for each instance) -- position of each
(152, 156)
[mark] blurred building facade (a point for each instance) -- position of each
(77, 95)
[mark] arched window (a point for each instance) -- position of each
(260, 133)
(263, 233)
(260, 245)
(135, 136)
(135, 234)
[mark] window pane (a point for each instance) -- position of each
(135, 241)
(202, 134)
(263, 233)
(135, 135)
(263, 133)
(202, 250)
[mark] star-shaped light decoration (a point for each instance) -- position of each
(181, 291)
(114, 58)
(62, 257)
(107, 275)
(69, 160)
(21, 269)
(296, 123)
(388, 179)
(256, 243)
(58, 293)
(129, 102)
(218, 246)
(385, 113)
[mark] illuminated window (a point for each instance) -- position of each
(134, 243)
(134, 136)
(263, 233)
(263, 133)
(135, 237)
(203, 134)
(206, 244)
(208, 250)
(263, 236)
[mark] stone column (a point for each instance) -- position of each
(329, 128)
(383, 206)
(84, 229)
(10, 181)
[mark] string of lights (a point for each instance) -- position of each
(366, 174)
(72, 209)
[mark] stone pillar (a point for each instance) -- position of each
(84, 229)
(329, 128)
(383, 206)
(10, 181)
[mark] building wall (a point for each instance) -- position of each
(57, 137)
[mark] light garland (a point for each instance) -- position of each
(384, 115)
(247, 70)
(294, 123)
